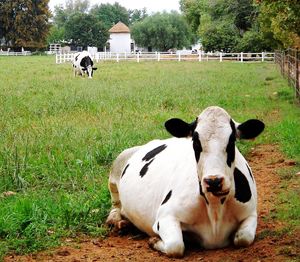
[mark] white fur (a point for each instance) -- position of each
(139, 199)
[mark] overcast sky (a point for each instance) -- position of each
(151, 5)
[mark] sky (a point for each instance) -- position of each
(151, 5)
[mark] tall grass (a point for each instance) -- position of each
(60, 134)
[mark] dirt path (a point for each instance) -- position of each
(271, 243)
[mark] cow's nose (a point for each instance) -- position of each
(214, 183)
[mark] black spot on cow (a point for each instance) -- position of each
(230, 149)
(249, 170)
(197, 146)
(242, 188)
(202, 194)
(167, 197)
(157, 226)
(86, 61)
(124, 170)
(145, 168)
(151, 154)
(76, 57)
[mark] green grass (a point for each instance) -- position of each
(60, 134)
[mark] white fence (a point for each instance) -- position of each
(6, 53)
(160, 56)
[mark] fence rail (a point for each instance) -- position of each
(180, 56)
(289, 63)
(7, 53)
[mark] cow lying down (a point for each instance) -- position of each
(196, 182)
(83, 64)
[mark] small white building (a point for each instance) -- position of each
(120, 39)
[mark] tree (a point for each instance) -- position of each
(56, 35)
(162, 31)
(24, 23)
(192, 10)
(110, 14)
(137, 15)
(281, 18)
(254, 41)
(85, 30)
(219, 36)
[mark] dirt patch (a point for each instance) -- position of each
(272, 241)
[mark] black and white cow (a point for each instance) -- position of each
(196, 182)
(83, 63)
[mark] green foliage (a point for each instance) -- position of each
(282, 19)
(192, 10)
(60, 134)
(219, 36)
(137, 15)
(110, 14)
(56, 35)
(220, 24)
(85, 30)
(162, 31)
(253, 41)
(24, 23)
(259, 25)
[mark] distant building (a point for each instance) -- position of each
(120, 39)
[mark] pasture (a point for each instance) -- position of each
(60, 134)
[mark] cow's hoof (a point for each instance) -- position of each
(153, 241)
(123, 224)
(114, 217)
(243, 238)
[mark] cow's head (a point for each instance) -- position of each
(89, 71)
(214, 134)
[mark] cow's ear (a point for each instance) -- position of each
(178, 128)
(250, 129)
(94, 68)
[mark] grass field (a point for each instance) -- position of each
(60, 134)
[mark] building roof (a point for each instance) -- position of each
(119, 28)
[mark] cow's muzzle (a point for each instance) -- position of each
(214, 184)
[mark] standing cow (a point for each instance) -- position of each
(196, 182)
(83, 63)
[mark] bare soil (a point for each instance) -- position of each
(272, 242)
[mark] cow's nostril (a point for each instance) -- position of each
(214, 183)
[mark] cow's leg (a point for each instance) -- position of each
(246, 232)
(119, 166)
(171, 240)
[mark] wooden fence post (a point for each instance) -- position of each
(242, 58)
(117, 58)
(221, 58)
(282, 62)
(262, 56)
(289, 66)
(297, 73)
(200, 57)
(179, 57)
